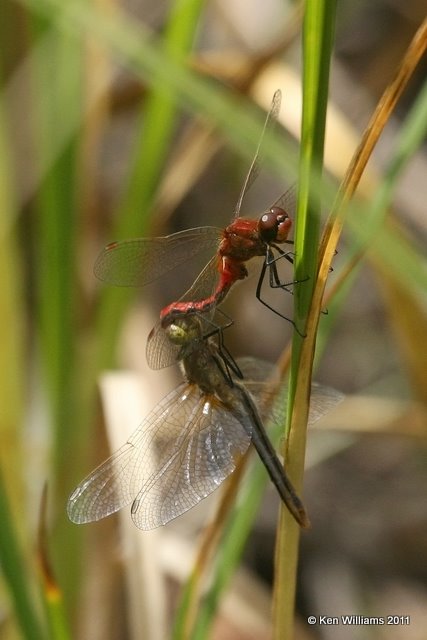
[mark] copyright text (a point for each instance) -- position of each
(359, 620)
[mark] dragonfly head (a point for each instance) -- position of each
(274, 225)
(183, 330)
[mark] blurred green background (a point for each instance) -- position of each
(119, 121)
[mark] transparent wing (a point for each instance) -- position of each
(255, 165)
(288, 201)
(208, 452)
(117, 481)
(160, 351)
(255, 371)
(182, 452)
(205, 284)
(134, 263)
(323, 399)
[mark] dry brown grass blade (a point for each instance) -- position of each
(362, 154)
(50, 584)
(371, 414)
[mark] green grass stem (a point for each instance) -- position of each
(15, 573)
(318, 34)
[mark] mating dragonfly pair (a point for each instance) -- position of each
(193, 439)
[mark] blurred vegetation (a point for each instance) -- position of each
(99, 106)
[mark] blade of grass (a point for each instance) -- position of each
(56, 248)
(16, 573)
(14, 559)
(11, 326)
(57, 91)
(318, 34)
(53, 600)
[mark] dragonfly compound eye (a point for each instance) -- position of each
(274, 225)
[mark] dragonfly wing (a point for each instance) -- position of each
(181, 452)
(135, 263)
(288, 201)
(160, 351)
(256, 372)
(255, 165)
(192, 465)
(323, 399)
(205, 284)
(116, 482)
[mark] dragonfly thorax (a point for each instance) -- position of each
(241, 240)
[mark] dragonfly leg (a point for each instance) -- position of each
(271, 262)
(218, 331)
(258, 295)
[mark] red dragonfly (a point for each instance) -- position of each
(142, 260)
(191, 442)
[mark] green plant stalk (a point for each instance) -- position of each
(58, 90)
(58, 101)
(318, 34)
(15, 572)
(319, 25)
(11, 326)
(14, 560)
(56, 616)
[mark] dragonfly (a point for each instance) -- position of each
(139, 261)
(192, 440)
